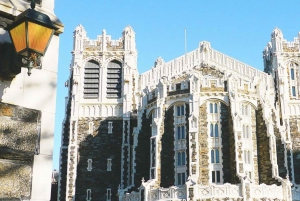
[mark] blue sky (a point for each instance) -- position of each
(240, 29)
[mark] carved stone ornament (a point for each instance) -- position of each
(210, 70)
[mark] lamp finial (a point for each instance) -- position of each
(32, 4)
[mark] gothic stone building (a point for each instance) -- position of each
(203, 126)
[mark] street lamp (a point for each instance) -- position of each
(31, 33)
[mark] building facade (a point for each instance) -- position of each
(27, 112)
(203, 126)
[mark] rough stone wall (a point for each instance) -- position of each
(263, 150)
(15, 181)
(99, 146)
(167, 152)
(295, 134)
(19, 141)
(203, 146)
(228, 146)
(254, 144)
(18, 132)
(280, 151)
(142, 152)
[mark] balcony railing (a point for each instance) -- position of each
(182, 91)
(172, 193)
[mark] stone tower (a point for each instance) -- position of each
(96, 155)
(282, 61)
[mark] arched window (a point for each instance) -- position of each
(292, 74)
(114, 73)
(91, 80)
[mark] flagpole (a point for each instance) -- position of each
(185, 45)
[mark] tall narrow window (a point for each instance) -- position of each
(89, 165)
(247, 157)
(215, 156)
(182, 110)
(212, 156)
(181, 178)
(211, 109)
(211, 130)
(246, 132)
(88, 194)
(178, 133)
(110, 127)
(293, 91)
(216, 108)
(108, 194)
(182, 132)
(114, 73)
(215, 176)
(180, 158)
(91, 80)
(292, 74)
(109, 164)
(216, 130)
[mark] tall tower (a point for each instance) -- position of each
(96, 153)
(282, 61)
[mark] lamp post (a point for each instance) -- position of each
(31, 33)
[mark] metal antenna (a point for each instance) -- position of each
(32, 4)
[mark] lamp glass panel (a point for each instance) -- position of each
(38, 37)
(18, 36)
